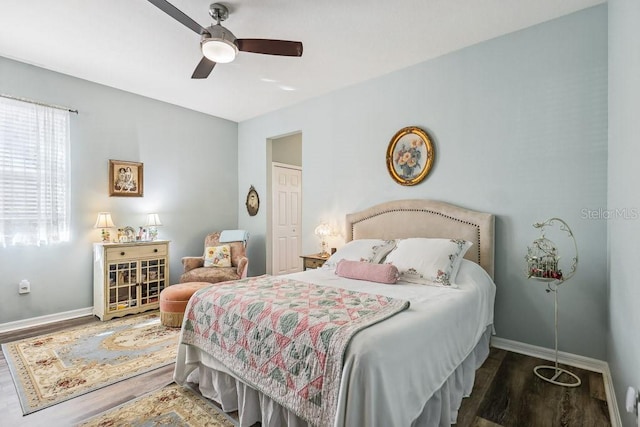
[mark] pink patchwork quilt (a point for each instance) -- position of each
(284, 337)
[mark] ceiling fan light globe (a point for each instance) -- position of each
(219, 51)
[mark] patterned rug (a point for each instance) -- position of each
(52, 368)
(172, 405)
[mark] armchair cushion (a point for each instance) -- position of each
(211, 275)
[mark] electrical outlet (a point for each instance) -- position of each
(632, 400)
(24, 287)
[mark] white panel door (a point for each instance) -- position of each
(287, 218)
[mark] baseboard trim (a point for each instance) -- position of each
(43, 320)
(578, 361)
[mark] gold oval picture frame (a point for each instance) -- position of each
(410, 156)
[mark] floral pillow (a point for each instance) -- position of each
(217, 256)
(368, 250)
(429, 261)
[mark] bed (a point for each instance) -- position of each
(411, 369)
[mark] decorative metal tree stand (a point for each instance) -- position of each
(542, 261)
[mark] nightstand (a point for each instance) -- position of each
(312, 261)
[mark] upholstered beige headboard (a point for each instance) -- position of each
(427, 218)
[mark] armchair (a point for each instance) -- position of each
(195, 271)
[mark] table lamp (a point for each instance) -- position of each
(104, 222)
(153, 221)
(322, 231)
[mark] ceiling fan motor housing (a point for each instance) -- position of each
(218, 12)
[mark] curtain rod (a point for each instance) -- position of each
(30, 101)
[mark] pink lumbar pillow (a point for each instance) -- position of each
(381, 273)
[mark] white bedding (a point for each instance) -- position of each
(392, 369)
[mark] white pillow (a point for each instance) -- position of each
(369, 250)
(428, 261)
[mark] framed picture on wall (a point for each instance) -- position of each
(253, 201)
(125, 178)
(410, 156)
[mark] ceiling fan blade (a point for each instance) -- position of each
(270, 47)
(203, 69)
(178, 15)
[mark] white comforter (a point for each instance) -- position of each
(394, 367)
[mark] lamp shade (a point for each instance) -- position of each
(104, 220)
(323, 230)
(153, 220)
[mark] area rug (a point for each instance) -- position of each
(52, 368)
(172, 405)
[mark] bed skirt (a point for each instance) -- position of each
(217, 384)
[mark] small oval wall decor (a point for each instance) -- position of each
(253, 201)
(410, 156)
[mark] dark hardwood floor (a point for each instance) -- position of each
(506, 393)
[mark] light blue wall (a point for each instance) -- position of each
(189, 173)
(520, 129)
(623, 349)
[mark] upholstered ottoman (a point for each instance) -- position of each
(173, 302)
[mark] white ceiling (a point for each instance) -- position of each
(132, 45)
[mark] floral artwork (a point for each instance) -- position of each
(407, 158)
(410, 156)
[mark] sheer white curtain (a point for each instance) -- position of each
(34, 173)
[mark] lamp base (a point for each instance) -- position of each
(553, 378)
(323, 252)
(153, 234)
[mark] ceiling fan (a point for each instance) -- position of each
(219, 44)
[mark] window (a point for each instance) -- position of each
(34, 173)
